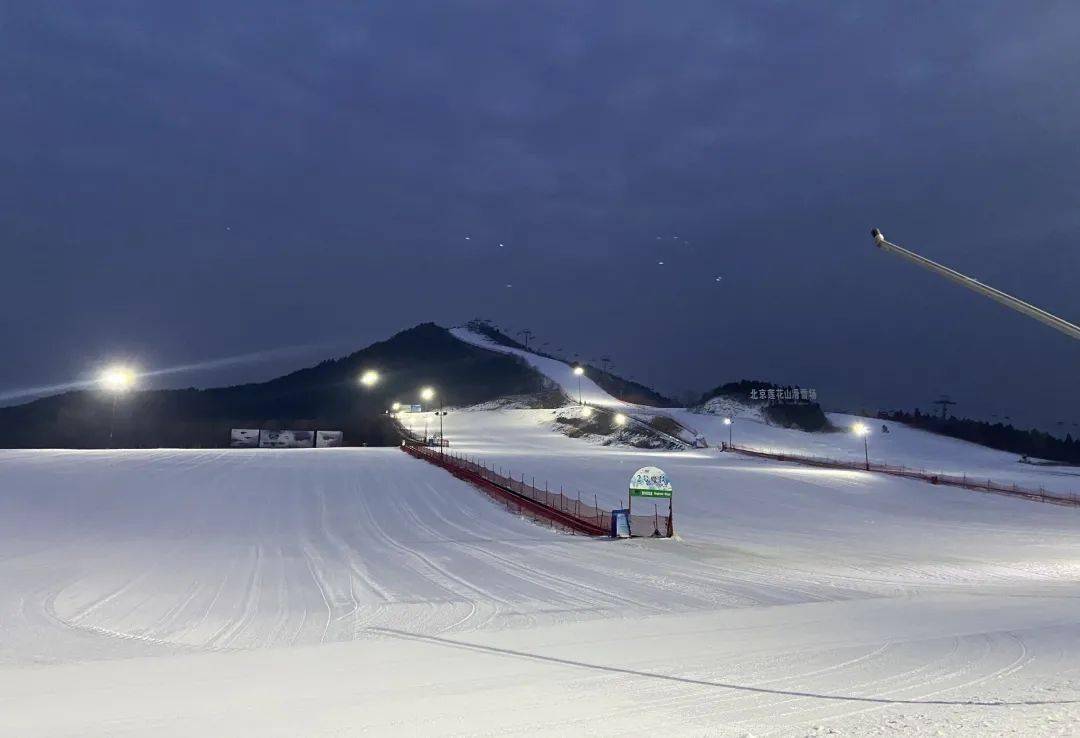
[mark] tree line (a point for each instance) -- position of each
(1032, 442)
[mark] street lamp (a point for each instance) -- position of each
(861, 429)
(578, 371)
(427, 394)
(396, 406)
(370, 378)
(620, 419)
(116, 380)
(729, 422)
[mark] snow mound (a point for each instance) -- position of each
(729, 407)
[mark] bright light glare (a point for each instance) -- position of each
(579, 370)
(620, 419)
(427, 393)
(369, 378)
(727, 421)
(587, 412)
(860, 429)
(117, 378)
(396, 406)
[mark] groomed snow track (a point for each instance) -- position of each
(330, 592)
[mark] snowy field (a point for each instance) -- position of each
(331, 592)
(340, 591)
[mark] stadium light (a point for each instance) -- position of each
(427, 394)
(578, 371)
(116, 380)
(369, 378)
(729, 422)
(620, 419)
(863, 430)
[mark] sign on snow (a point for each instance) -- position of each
(650, 481)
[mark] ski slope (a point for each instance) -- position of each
(557, 371)
(902, 446)
(340, 591)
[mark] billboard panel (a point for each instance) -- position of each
(328, 439)
(244, 438)
(286, 439)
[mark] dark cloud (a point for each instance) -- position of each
(189, 180)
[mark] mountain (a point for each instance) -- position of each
(327, 396)
(618, 387)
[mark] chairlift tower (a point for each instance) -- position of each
(945, 402)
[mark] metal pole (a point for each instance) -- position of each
(731, 426)
(579, 402)
(671, 516)
(112, 420)
(442, 438)
(866, 451)
(975, 285)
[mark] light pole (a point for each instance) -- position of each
(116, 380)
(370, 378)
(861, 429)
(729, 422)
(427, 394)
(578, 371)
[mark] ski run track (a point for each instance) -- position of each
(361, 591)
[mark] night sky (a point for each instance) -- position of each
(186, 181)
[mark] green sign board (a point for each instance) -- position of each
(650, 492)
(650, 481)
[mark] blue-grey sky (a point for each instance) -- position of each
(198, 180)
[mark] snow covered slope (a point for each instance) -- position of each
(903, 445)
(338, 591)
(559, 372)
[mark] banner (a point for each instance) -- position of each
(286, 439)
(650, 481)
(328, 439)
(244, 438)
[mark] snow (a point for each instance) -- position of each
(558, 371)
(328, 592)
(902, 446)
(339, 591)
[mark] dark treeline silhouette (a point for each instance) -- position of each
(1034, 443)
(327, 396)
